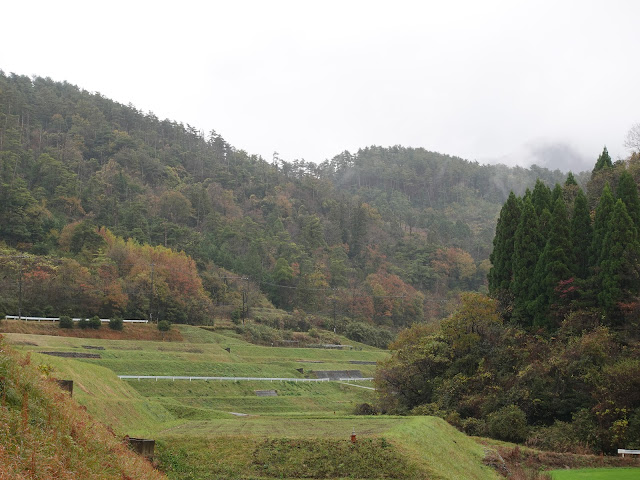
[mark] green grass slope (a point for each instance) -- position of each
(407, 448)
(596, 474)
(304, 431)
(440, 449)
(108, 398)
(44, 434)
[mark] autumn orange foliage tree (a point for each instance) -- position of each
(121, 278)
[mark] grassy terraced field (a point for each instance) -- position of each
(203, 354)
(304, 430)
(223, 429)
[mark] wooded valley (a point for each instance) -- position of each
(513, 292)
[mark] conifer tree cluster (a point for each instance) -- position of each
(550, 258)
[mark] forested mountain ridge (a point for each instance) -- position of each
(385, 235)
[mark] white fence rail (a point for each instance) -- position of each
(56, 319)
(261, 379)
(624, 451)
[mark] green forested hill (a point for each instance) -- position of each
(384, 235)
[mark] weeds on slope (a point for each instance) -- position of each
(44, 434)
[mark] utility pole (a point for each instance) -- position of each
(334, 314)
(245, 300)
(152, 295)
(245, 295)
(20, 287)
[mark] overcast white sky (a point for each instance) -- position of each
(494, 81)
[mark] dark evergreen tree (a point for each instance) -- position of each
(555, 194)
(627, 191)
(603, 162)
(581, 236)
(553, 267)
(569, 193)
(619, 273)
(501, 273)
(541, 197)
(600, 225)
(544, 226)
(526, 252)
(571, 180)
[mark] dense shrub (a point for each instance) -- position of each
(83, 323)
(368, 334)
(474, 426)
(236, 316)
(94, 322)
(453, 418)
(297, 322)
(558, 437)
(323, 336)
(116, 323)
(365, 409)
(177, 314)
(262, 334)
(65, 322)
(428, 409)
(509, 424)
(579, 436)
(164, 325)
(272, 321)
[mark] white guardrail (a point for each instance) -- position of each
(262, 379)
(624, 451)
(56, 319)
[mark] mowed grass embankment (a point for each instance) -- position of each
(251, 457)
(304, 430)
(392, 447)
(440, 449)
(109, 399)
(596, 474)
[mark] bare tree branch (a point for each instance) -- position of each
(632, 141)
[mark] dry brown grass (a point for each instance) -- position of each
(520, 463)
(129, 332)
(44, 434)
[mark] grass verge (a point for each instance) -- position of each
(596, 474)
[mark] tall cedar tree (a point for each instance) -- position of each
(541, 197)
(553, 267)
(501, 273)
(556, 193)
(619, 275)
(604, 162)
(571, 180)
(526, 252)
(627, 191)
(600, 225)
(544, 225)
(581, 234)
